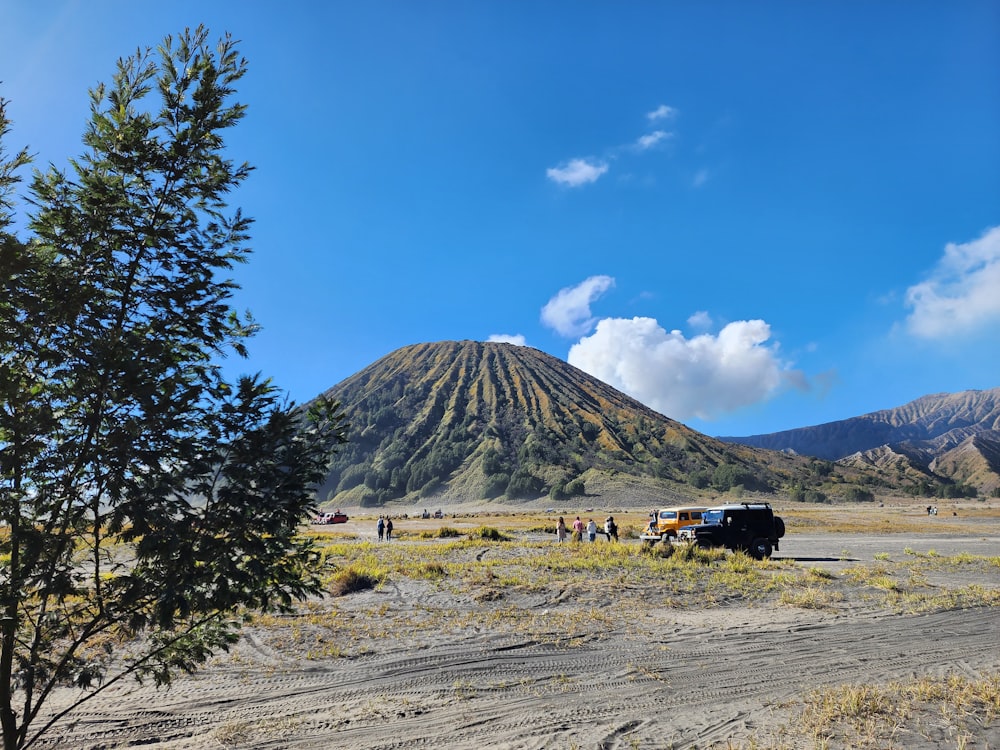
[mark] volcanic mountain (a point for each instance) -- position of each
(951, 436)
(466, 421)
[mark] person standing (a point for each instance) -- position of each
(611, 528)
(592, 530)
(388, 529)
(561, 530)
(577, 530)
(380, 527)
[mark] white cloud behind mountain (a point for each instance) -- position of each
(703, 377)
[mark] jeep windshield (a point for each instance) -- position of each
(712, 516)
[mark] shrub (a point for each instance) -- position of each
(807, 496)
(445, 532)
(858, 495)
(351, 478)
(523, 484)
(428, 570)
(489, 534)
(496, 485)
(700, 479)
(727, 476)
(657, 549)
(430, 488)
(355, 578)
(688, 552)
(368, 499)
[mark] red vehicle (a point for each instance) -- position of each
(336, 517)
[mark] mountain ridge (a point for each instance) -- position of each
(955, 436)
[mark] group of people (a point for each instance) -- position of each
(610, 529)
(384, 528)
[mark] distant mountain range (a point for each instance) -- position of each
(465, 421)
(954, 436)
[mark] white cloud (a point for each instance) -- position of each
(663, 112)
(568, 313)
(962, 294)
(577, 172)
(701, 377)
(700, 320)
(651, 139)
(507, 338)
(700, 178)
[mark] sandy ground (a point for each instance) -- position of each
(577, 666)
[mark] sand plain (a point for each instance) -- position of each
(471, 643)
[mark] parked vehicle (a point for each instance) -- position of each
(749, 527)
(336, 517)
(665, 523)
(686, 533)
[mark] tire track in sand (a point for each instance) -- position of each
(696, 686)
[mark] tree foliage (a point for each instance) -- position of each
(726, 476)
(147, 500)
(859, 495)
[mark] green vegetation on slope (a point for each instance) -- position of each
(475, 420)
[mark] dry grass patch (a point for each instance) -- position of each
(819, 574)
(512, 581)
(682, 551)
(445, 532)
(234, 734)
(812, 597)
(926, 710)
(905, 586)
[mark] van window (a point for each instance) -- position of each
(668, 515)
(685, 516)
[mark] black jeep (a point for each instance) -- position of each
(750, 527)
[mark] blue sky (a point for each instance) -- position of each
(750, 216)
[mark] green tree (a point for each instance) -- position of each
(495, 485)
(700, 479)
(523, 484)
(146, 500)
(858, 495)
(727, 476)
(558, 492)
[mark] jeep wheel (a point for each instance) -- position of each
(668, 537)
(760, 549)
